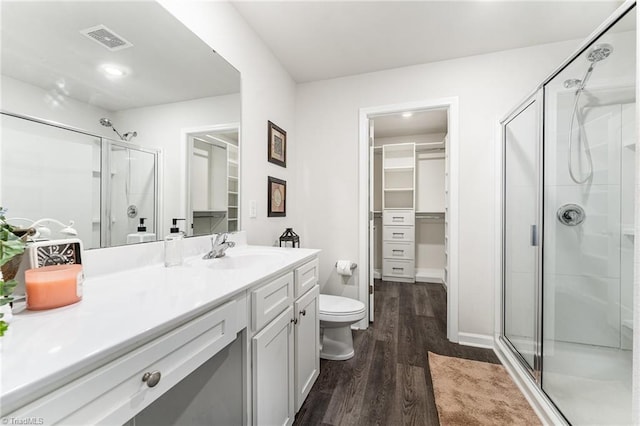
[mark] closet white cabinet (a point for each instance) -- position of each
(431, 212)
(398, 212)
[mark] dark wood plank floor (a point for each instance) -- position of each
(388, 381)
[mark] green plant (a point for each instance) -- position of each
(10, 246)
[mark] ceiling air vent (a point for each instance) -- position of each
(106, 37)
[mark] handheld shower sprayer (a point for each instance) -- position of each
(595, 54)
(126, 137)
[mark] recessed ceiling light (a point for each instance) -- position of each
(113, 70)
(407, 114)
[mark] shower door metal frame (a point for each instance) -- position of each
(534, 100)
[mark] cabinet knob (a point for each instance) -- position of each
(152, 378)
(303, 312)
(294, 320)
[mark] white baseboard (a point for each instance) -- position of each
(477, 340)
(430, 275)
(544, 408)
(377, 274)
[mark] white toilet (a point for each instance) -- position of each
(337, 313)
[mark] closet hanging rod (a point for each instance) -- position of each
(424, 146)
(423, 215)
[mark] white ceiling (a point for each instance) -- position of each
(317, 40)
(41, 44)
(419, 123)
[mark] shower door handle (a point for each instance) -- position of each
(534, 235)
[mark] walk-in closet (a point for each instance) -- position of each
(410, 196)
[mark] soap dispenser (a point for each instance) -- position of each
(141, 236)
(173, 245)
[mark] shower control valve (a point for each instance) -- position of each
(571, 214)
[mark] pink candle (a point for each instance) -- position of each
(53, 286)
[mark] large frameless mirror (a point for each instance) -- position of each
(99, 102)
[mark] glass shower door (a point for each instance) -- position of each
(521, 239)
(589, 169)
(130, 188)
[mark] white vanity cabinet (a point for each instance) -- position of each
(286, 345)
(307, 344)
(307, 329)
(242, 353)
(272, 353)
(119, 390)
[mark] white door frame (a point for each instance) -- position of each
(363, 200)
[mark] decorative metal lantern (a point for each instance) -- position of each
(288, 236)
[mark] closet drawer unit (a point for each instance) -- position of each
(398, 250)
(398, 217)
(398, 268)
(398, 233)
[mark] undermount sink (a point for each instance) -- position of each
(239, 260)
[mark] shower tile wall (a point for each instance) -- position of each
(582, 263)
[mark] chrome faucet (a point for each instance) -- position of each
(218, 246)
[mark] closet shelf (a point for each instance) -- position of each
(398, 189)
(398, 169)
(628, 230)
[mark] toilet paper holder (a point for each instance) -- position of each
(353, 266)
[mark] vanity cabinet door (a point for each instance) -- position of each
(307, 344)
(273, 375)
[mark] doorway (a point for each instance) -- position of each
(411, 231)
(212, 184)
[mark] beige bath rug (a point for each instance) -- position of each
(477, 393)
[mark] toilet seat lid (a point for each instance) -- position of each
(338, 305)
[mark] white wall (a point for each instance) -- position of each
(487, 86)
(23, 98)
(268, 93)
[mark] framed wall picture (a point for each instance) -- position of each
(277, 145)
(276, 197)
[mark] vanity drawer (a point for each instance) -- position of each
(268, 301)
(398, 268)
(398, 217)
(398, 233)
(306, 277)
(398, 250)
(115, 392)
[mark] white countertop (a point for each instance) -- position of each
(43, 350)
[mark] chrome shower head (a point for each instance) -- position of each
(599, 52)
(107, 123)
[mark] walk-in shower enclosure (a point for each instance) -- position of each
(568, 229)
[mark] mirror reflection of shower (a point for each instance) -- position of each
(125, 137)
(594, 55)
